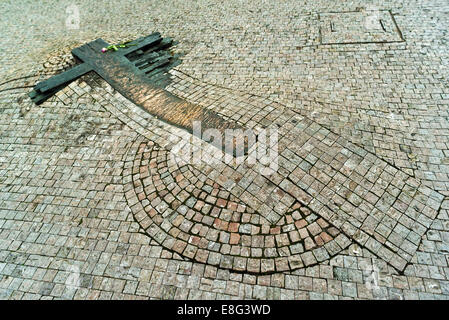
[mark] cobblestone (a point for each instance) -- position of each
(94, 206)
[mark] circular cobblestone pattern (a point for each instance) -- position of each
(359, 205)
(187, 212)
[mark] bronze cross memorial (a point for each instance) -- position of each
(138, 71)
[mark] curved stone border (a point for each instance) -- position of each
(188, 213)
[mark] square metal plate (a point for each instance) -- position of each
(359, 27)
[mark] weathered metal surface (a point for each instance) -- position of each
(138, 72)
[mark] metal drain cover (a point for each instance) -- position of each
(355, 27)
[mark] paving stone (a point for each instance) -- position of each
(94, 205)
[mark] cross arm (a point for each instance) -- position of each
(43, 90)
(141, 43)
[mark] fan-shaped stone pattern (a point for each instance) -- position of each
(374, 203)
(188, 213)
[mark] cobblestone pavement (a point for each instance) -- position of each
(93, 205)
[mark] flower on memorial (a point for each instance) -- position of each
(116, 46)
